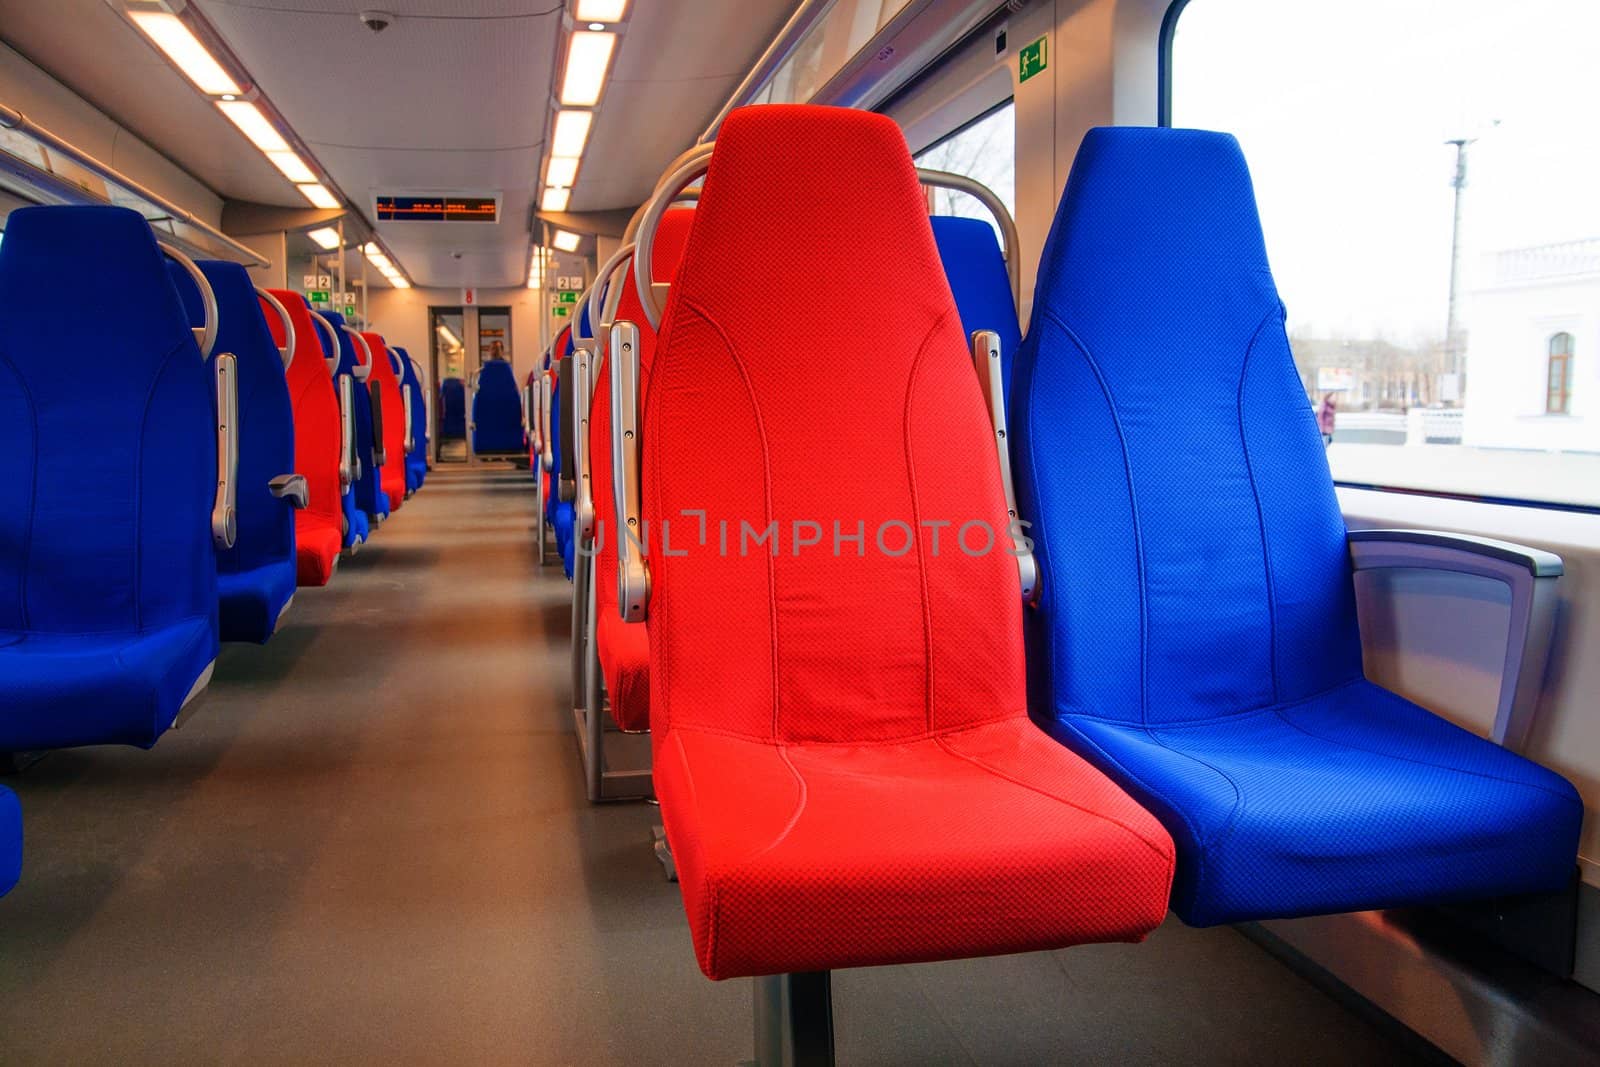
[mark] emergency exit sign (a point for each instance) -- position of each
(320, 296)
(1032, 60)
(567, 298)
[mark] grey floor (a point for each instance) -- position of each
(370, 843)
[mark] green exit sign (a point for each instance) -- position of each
(1032, 59)
(350, 311)
(320, 296)
(568, 297)
(559, 312)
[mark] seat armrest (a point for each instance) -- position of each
(380, 455)
(986, 362)
(293, 488)
(224, 515)
(1531, 574)
(583, 364)
(566, 430)
(349, 464)
(547, 458)
(633, 570)
(411, 430)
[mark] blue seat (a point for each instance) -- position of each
(1196, 635)
(976, 270)
(561, 513)
(10, 840)
(256, 577)
(452, 409)
(108, 580)
(417, 458)
(497, 410)
(369, 495)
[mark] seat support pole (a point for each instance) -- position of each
(794, 1020)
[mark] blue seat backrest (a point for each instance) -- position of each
(1193, 554)
(453, 407)
(497, 409)
(976, 269)
(107, 434)
(266, 414)
(412, 384)
(367, 486)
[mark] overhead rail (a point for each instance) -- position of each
(12, 119)
(800, 24)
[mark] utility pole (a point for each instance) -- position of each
(1452, 326)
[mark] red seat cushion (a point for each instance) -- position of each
(843, 756)
(986, 840)
(624, 650)
(317, 542)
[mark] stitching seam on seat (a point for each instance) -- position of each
(916, 515)
(33, 497)
(694, 308)
(1133, 510)
(138, 484)
(1255, 493)
(1169, 857)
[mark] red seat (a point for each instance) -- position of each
(842, 752)
(317, 527)
(624, 650)
(392, 478)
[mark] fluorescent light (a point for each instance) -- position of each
(399, 283)
(370, 248)
(327, 237)
(567, 242)
(588, 59)
(601, 10)
(571, 133)
(555, 199)
(318, 196)
(563, 171)
(186, 52)
(254, 125)
(293, 167)
(447, 336)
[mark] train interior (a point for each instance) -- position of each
(788, 532)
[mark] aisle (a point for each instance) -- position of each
(370, 843)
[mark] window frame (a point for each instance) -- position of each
(1565, 358)
(1164, 83)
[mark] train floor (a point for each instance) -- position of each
(370, 842)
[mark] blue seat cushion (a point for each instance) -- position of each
(252, 600)
(60, 690)
(357, 526)
(562, 522)
(10, 840)
(1349, 800)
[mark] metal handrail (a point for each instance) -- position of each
(362, 371)
(205, 336)
(287, 351)
(692, 165)
(782, 47)
(597, 322)
(12, 119)
(988, 198)
(333, 342)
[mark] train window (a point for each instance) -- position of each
(1425, 175)
(984, 150)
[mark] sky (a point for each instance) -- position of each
(1343, 109)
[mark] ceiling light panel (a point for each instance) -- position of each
(571, 133)
(566, 241)
(186, 52)
(319, 196)
(327, 238)
(588, 60)
(602, 10)
(292, 166)
(563, 171)
(555, 199)
(254, 125)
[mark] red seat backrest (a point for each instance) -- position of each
(809, 215)
(671, 236)
(317, 438)
(394, 418)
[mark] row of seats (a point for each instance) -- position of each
(496, 427)
(904, 752)
(171, 484)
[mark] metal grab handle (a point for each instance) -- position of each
(614, 287)
(693, 165)
(286, 350)
(362, 371)
(411, 433)
(380, 454)
(986, 361)
(206, 336)
(224, 516)
(596, 303)
(547, 459)
(333, 342)
(583, 511)
(349, 464)
(633, 571)
(1008, 226)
